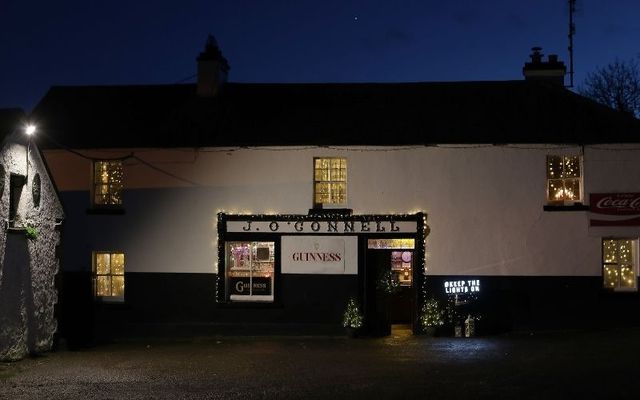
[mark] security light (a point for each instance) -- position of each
(30, 129)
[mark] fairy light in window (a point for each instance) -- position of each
(107, 182)
(618, 264)
(563, 178)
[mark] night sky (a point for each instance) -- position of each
(80, 42)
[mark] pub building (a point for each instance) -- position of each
(283, 259)
(222, 207)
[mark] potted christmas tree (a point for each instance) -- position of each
(353, 318)
(431, 317)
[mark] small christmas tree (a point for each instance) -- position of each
(352, 316)
(431, 315)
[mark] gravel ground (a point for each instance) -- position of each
(542, 365)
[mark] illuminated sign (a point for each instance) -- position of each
(462, 286)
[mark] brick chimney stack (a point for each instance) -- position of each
(551, 70)
(213, 69)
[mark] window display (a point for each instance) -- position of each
(619, 259)
(564, 178)
(401, 266)
(250, 270)
(108, 275)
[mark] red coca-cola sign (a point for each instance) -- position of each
(615, 203)
(623, 209)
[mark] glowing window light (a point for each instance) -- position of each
(391, 243)
(107, 183)
(563, 178)
(108, 275)
(619, 260)
(330, 180)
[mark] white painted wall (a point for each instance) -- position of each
(484, 203)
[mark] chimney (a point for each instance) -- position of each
(551, 70)
(213, 69)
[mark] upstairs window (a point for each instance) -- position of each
(107, 183)
(108, 276)
(564, 179)
(330, 181)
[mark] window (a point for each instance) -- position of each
(16, 183)
(619, 264)
(107, 183)
(250, 270)
(330, 181)
(564, 179)
(401, 267)
(108, 275)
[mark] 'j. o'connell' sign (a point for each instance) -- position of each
(614, 209)
(320, 226)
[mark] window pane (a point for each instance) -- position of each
(556, 190)
(321, 175)
(117, 284)
(103, 286)
(103, 264)
(571, 189)
(610, 251)
(571, 167)
(624, 252)
(627, 277)
(322, 193)
(554, 167)
(117, 264)
(338, 193)
(610, 276)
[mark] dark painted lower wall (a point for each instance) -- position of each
(522, 303)
(184, 304)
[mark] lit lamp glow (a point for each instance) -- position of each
(30, 129)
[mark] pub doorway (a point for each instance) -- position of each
(389, 290)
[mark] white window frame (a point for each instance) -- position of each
(634, 264)
(580, 199)
(95, 275)
(345, 182)
(247, 269)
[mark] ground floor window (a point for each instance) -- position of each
(108, 275)
(250, 271)
(401, 267)
(619, 259)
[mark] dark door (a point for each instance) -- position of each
(389, 290)
(377, 301)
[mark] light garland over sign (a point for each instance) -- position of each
(422, 229)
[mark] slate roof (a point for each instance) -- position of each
(248, 114)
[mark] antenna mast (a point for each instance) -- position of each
(572, 31)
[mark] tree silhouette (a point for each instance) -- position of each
(616, 85)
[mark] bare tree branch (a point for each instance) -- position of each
(616, 85)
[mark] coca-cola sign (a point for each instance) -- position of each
(623, 209)
(615, 203)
